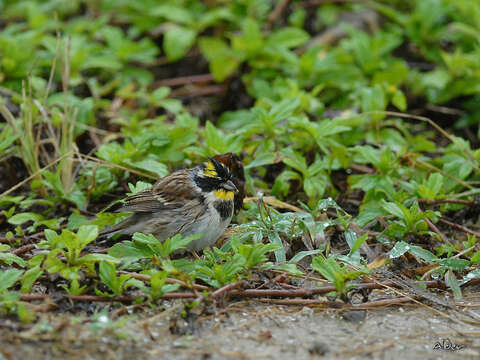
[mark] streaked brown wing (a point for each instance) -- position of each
(170, 192)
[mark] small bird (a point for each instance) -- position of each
(192, 201)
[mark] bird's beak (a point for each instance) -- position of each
(230, 186)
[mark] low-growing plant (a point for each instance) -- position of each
(70, 245)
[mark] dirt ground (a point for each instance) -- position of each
(251, 330)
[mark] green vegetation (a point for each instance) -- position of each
(357, 121)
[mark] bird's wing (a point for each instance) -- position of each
(170, 192)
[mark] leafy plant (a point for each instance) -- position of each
(338, 275)
(147, 246)
(70, 245)
(117, 284)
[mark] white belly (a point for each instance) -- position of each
(212, 227)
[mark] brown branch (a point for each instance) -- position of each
(434, 228)
(328, 288)
(249, 292)
(103, 298)
(312, 3)
(144, 277)
(23, 249)
(33, 297)
(446, 201)
(227, 288)
(384, 302)
(444, 110)
(183, 80)
(281, 293)
(198, 91)
(362, 169)
(304, 302)
(172, 295)
(10, 240)
(460, 227)
(277, 12)
(337, 304)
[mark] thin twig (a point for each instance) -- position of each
(274, 202)
(108, 164)
(249, 292)
(193, 91)
(312, 3)
(305, 302)
(10, 240)
(362, 169)
(35, 174)
(437, 127)
(23, 249)
(337, 304)
(33, 297)
(144, 277)
(172, 295)
(444, 173)
(277, 12)
(227, 288)
(463, 252)
(446, 201)
(444, 110)
(460, 227)
(434, 228)
(183, 80)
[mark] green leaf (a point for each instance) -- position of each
(394, 209)
(302, 254)
(29, 278)
(138, 187)
(251, 40)
(263, 159)
(373, 98)
(178, 41)
(329, 268)
(214, 137)
(10, 258)
(21, 218)
(357, 243)
(87, 233)
(174, 13)
(288, 37)
(400, 248)
(399, 100)
(75, 220)
(108, 275)
(8, 278)
(453, 284)
(98, 258)
(476, 258)
(422, 254)
(454, 264)
(152, 165)
(129, 251)
(282, 110)
(280, 254)
(222, 60)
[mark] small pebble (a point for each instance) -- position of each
(355, 316)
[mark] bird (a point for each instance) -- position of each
(198, 200)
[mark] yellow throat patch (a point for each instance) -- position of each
(210, 170)
(223, 194)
